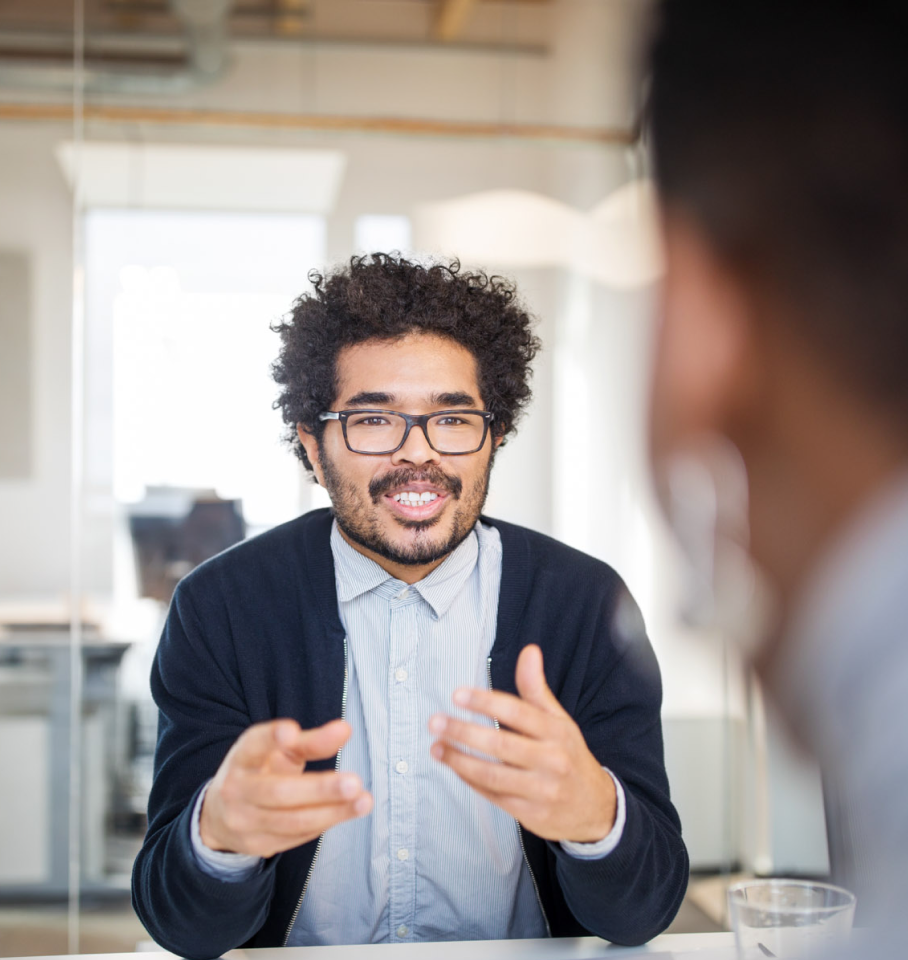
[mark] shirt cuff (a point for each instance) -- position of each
(602, 848)
(219, 864)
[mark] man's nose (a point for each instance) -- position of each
(416, 448)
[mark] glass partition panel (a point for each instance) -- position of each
(48, 702)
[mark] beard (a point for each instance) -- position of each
(357, 511)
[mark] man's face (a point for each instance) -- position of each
(418, 374)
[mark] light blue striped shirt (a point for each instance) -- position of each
(434, 860)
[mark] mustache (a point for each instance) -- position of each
(379, 486)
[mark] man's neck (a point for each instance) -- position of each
(406, 572)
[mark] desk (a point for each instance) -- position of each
(679, 946)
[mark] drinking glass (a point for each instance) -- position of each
(788, 918)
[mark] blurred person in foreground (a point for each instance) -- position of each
(330, 767)
(780, 135)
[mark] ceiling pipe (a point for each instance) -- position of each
(205, 26)
(206, 32)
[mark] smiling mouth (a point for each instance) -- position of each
(416, 504)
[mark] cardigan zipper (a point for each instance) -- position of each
(321, 839)
(523, 849)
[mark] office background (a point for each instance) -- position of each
(170, 172)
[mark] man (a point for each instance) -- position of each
(394, 721)
(780, 134)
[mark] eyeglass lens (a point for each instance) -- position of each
(383, 432)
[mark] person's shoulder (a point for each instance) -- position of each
(278, 547)
(538, 551)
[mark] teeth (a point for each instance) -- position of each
(409, 496)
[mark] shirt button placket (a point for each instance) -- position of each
(402, 722)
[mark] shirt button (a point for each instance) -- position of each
(403, 593)
(403, 853)
(402, 766)
(400, 674)
(402, 931)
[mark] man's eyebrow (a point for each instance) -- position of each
(365, 398)
(453, 400)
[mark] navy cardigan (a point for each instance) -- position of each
(254, 634)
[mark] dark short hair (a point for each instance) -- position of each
(385, 297)
(782, 129)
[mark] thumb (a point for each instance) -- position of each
(531, 683)
(299, 746)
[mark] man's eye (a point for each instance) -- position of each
(372, 421)
(451, 422)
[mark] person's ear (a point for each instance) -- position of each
(310, 445)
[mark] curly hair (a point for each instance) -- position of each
(385, 297)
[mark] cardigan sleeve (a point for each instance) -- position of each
(201, 713)
(632, 894)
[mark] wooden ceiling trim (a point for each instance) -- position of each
(555, 134)
(451, 17)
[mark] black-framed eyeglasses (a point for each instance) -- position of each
(380, 432)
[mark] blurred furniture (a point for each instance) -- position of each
(35, 746)
(175, 529)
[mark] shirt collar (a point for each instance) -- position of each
(356, 574)
(441, 586)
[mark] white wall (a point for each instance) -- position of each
(35, 217)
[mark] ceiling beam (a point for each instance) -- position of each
(451, 17)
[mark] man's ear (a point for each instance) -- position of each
(310, 445)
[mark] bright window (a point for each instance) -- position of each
(189, 299)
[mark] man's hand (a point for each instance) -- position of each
(543, 773)
(260, 801)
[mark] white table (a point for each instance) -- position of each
(678, 946)
(703, 946)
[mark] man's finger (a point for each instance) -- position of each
(259, 741)
(275, 741)
(531, 683)
(291, 791)
(308, 822)
(508, 710)
(487, 775)
(520, 808)
(293, 831)
(512, 748)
